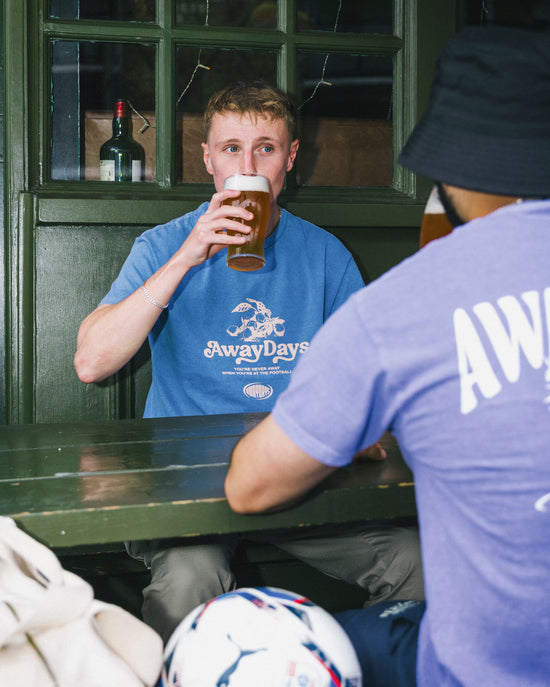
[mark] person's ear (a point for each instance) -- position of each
(206, 158)
(292, 154)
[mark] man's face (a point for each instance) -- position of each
(241, 144)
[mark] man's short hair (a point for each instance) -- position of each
(256, 98)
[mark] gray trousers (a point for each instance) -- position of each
(382, 558)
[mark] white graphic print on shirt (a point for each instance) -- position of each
(525, 333)
(259, 349)
(257, 325)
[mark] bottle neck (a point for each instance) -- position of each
(122, 122)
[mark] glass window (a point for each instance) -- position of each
(345, 120)
(118, 10)
(344, 97)
(88, 77)
(200, 72)
(357, 16)
(253, 13)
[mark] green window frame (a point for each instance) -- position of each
(412, 46)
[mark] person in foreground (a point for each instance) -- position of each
(450, 351)
(224, 341)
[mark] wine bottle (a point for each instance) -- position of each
(121, 158)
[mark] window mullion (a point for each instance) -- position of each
(287, 78)
(165, 100)
(286, 66)
(84, 29)
(165, 112)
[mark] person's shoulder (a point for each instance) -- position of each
(305, 224)
(312, 232)
(174, 228)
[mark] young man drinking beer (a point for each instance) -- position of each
(224, 341)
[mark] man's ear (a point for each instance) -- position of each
(206, 158)
(292, 154)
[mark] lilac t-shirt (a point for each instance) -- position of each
(450, 351)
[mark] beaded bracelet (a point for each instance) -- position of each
(151, 299)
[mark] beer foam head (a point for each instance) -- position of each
(247, 182)
(434, 205)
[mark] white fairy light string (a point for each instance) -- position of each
(199, 64)
(322, 81)
(146, 123)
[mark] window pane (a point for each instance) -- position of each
(256, 13)
(358, 16)
(195, 85)
(345, 128)
(119, 10)
(87, 78)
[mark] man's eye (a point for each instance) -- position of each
(232, 149)
(267, 148)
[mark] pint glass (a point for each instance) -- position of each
(434, 222)
(254, 196)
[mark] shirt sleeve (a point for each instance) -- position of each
(350, 281)
(150, 251)
(138, 266)
(353, 279)
(334, 404)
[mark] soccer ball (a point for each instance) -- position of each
(260, 637)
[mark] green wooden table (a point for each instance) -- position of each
(95, 483)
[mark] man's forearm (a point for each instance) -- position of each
(268, 471)
(110, 336)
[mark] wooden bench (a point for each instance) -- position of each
(84, 488)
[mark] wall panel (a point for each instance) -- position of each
(74, 268)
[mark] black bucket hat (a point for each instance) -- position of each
(487, 124)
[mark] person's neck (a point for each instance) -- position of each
(489, 203)
(472, 204)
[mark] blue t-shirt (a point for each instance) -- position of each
(450, 351)
(229, 340)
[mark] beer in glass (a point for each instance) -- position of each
(254, 196)
(434, 222)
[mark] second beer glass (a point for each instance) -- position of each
(434, 221)
(254, 196)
